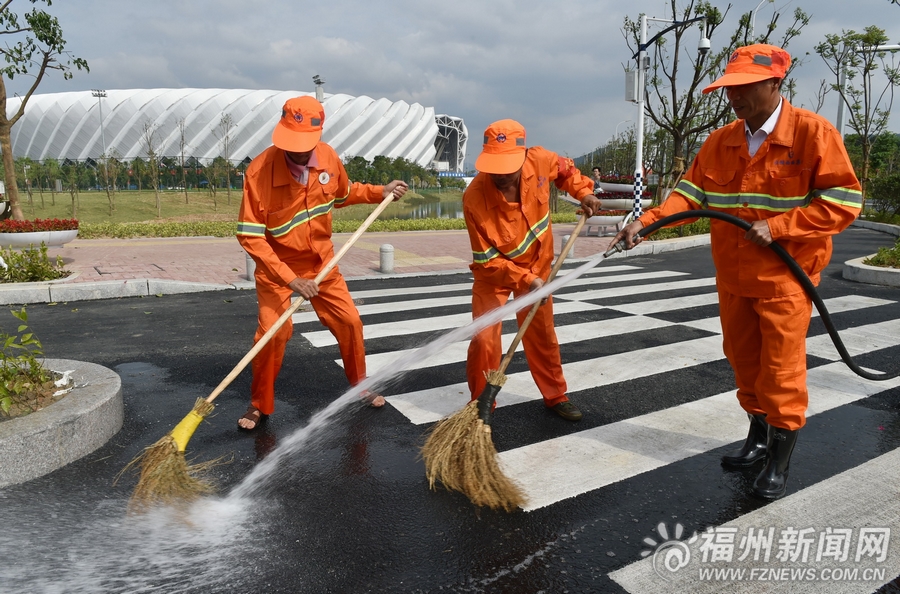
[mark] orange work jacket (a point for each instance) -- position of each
(512, 243)
(283, 222)
(800, 181)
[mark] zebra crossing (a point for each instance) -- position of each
(623, 330)
(631, 297)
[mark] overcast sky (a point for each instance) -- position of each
(556, 66)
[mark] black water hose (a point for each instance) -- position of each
(788, 260)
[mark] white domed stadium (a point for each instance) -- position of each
(68, 126)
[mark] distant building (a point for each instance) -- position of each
(67, 125)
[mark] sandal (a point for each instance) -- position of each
(374, 400)
(254, 416)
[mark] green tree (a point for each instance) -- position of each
(34, 46)
(855, 56)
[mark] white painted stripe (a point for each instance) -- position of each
(625, 290)
(424, 290)
(664, 305)
(427, 406)
(863, 339)
(456, 352)
(321, 338)
(560, 468)
(862, 497)
(414, 304)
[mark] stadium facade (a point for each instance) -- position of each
(68, 126)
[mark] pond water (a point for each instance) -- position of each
(445, 209)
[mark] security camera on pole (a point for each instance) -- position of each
(643, 64)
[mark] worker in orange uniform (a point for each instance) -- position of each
(785, 171)
(507, 212)
(285, 225)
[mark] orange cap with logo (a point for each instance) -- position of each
(504, 148)
(300, 126)
(753, 63)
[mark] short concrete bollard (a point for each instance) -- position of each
(565, 240)
(386, 264)
(251, 267)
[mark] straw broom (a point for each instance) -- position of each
(460, 453)
(166, 476)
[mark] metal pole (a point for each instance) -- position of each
(639, 149)
(99, 94)
(753, 20)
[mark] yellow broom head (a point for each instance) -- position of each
(460, 454)
(166, 476)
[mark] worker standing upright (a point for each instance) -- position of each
(784, 170)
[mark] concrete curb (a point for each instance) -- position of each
(883, 227)
(647, 248)
(855, 270)
(65, 431)
(54, 292)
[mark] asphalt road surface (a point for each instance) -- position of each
(337, 501)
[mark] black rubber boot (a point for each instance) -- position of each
(754, 449)
(772, 481)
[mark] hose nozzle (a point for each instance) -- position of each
(619, 247)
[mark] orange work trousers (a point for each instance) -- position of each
(539, 341)
(765, 342)
(336, 311)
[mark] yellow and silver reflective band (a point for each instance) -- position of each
(340, 201)
(485, 256)
(302, 218)
(532, 236)
(251, 229)
(843, 196)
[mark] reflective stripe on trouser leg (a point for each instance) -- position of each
(780, 384)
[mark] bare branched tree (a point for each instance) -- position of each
(151, 149)
(225, 127)
(182, 129)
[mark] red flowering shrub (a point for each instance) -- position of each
(11, 226)
(620, 195)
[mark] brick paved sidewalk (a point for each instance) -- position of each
(215, 260)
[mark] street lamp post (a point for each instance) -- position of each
(643, 64)
(100, 94)
(753, 20)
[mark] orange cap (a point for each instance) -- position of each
(504, 148)
(300, 126)
(753, 63)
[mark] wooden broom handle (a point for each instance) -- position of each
(531, 313)
(296, 305)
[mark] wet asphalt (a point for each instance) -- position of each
(350, 510)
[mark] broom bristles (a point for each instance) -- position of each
(460, 454)
(166, 476)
